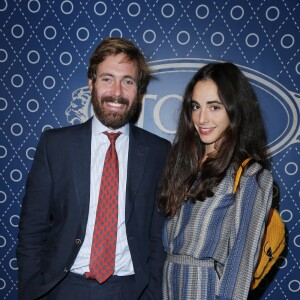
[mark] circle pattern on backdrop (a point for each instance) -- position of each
(100, 8)
(33, 49)
(34, 6)
(3, 55)
(3, 104)
(202, 11)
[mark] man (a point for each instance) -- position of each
(61, 238)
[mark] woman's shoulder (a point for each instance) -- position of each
(255, 170)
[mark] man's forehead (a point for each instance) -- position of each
(119, 58)
(119, 62)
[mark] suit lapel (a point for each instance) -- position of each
(81, 156)
(137, 158)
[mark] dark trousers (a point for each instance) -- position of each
(77, 287)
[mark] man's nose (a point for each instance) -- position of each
(116, 89)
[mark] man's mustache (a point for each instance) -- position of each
(119, 99)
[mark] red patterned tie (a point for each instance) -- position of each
(102, 261)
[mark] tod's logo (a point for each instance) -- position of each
(80, 106)
(280, 107)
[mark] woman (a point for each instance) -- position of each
(213, 238)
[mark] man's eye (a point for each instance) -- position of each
(105, 79)
(129, 82)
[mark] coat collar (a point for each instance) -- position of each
(137, 157)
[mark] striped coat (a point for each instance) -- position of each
(213, 246)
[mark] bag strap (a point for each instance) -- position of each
(239, 173)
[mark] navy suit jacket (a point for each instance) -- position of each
(55, 209)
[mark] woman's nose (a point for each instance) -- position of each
(203, 116)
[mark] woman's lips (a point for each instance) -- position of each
(205, 131)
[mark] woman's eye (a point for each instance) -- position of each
(195, 106)
(215, 108)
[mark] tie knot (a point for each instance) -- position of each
(112, 136)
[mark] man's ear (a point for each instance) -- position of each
(90, 85)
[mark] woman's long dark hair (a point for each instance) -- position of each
(245, 137)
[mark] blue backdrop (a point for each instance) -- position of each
(44, 52)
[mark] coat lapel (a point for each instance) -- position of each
(137, 158)
(81, 156)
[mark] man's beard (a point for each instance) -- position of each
(111, 119)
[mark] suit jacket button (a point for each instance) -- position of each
(78, 242)
(66, 270)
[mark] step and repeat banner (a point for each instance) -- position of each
(45, 47)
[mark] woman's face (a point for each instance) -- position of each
(208, 114)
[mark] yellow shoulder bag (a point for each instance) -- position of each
(273, 241)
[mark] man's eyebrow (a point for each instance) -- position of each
(129, 76)
(105, 74)
(111, 75)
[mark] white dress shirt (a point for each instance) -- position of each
(99, 146)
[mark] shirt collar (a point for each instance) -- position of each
(98, 128)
